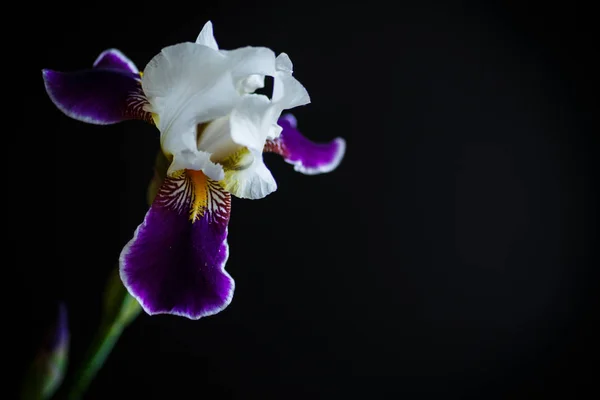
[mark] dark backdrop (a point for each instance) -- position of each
(451, 254)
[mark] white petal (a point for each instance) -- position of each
(255, 119)
(197, 161)
(274, 131)
(187, 84)
(287, 91)
(248, 61)
(251, 83)
(215, 138)
(253, 181)
(251, 120)
(284, 64)
(206, 37)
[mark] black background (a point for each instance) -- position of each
(451, 253)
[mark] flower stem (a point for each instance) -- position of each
(103, 344)
(120, 309)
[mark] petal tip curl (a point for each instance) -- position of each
(291, 119)
(53, 83)
(340, 146)
(206, 36)
(306, 156)
(100, 96)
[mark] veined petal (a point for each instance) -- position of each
(97, 96)
(307, 157)
(246, 175)
(114, 59)
(206, 37)
(175, 262)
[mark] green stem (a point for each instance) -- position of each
(101, 348)
(119, 311)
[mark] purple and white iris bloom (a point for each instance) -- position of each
(213, 132)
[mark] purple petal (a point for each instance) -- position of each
(60, 337)
(175, 262)
(114, 59)
(97, 96)
(47, 371)
(307, 157)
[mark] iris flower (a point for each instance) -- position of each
(214, 130)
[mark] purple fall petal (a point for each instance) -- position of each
(176, 266)
(97, 96)
(111, 92)
(307, 157)
(114, 59)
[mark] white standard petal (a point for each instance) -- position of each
(283, 63)
(206, 37)
(186, 85)
(250, 121)
(197, 161)
(287, 91)
(247, 61)
(251, 83)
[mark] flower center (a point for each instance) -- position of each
(214, 137)
(238, 161)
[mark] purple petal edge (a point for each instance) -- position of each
(115, 59)
(308, 157)
(96, 96)
(174, 266)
